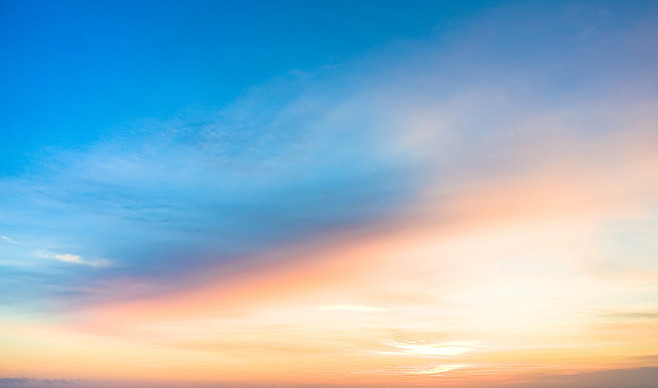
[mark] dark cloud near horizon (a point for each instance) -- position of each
(645, 377)
(21, 381)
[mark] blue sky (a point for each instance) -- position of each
(74, 71)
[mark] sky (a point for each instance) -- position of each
(328, 194)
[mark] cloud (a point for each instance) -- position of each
(650, 357)
(8, 240)
(436, 370)
(30, 382)
(74, 259)
(422, 349)
(616, 378)
(634, 315)
(15, 380)
(355, 308)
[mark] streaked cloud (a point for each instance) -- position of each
(8, 240)
(437, 370)
(422, 349)
(353, 307)
(74, 259)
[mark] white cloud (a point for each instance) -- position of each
(8, 239)
(444, 349)
(75, 259)
(352, 307)
(438, 369)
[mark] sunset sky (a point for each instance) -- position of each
(200, 194)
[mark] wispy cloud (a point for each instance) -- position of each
(74, 259)
(634, 315)
(353, 307)
(436, 370)
(423, 349)
(8, 239)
